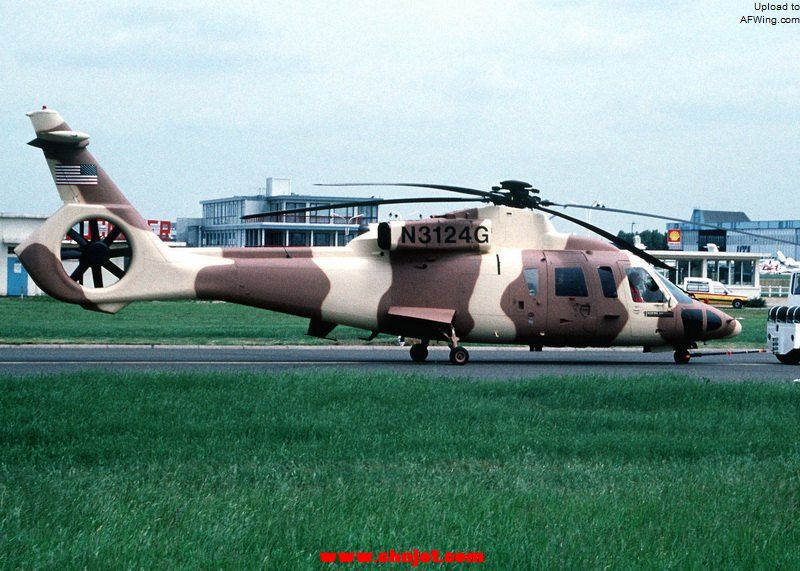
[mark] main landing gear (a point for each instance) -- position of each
(458, 354)
(419, 352)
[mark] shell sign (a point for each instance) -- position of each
(674, 239)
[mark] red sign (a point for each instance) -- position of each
(161, 228)
(674, 239)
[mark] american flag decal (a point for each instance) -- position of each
(76, 174)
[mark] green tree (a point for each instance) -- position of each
(653, 239)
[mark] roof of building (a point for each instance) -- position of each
(718, 216)
(22, 215)
(292, 198)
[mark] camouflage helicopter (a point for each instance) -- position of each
(498, 273)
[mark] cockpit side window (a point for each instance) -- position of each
(532, 279)
(644, 287)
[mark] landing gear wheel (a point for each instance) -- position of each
(681, 356)
(459, 355)
(737, 304)
(790, 358)
(419, 352)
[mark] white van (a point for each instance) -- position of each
(710, 291)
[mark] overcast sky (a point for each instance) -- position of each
(661, 106)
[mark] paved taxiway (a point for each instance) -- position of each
(485, 362)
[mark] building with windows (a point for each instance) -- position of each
(738, 271)
(222, 224)
(698, 238)
(14, 278)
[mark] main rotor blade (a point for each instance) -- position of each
(461, 189)
(616, 240)
(672, 219)
(376, 202)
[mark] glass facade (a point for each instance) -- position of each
(222, 224)
(726, 271)
(768, 232)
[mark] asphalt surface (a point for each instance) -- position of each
(485, 362)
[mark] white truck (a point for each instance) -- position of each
(783, 326)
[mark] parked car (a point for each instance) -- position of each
(714, 293)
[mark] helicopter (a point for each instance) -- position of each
(495, 273)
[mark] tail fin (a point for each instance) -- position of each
(76, 173)
(129, 263)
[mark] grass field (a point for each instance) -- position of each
(44, 320)
(250, 471)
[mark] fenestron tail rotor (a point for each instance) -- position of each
(98, 246)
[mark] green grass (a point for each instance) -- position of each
(248, 471)
(754, 327)
(44, 320)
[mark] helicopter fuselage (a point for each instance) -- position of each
(568, 291)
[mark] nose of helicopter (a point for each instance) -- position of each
(737, 328)
(720, 325)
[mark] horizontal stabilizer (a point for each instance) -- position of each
(64, 137)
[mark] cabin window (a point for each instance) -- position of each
(644, 288)
(532, 279)
(570, 282)
(607, 281)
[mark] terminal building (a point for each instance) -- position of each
(697, 238)
(737, 271)
(222, 225)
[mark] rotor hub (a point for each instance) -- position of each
(96, 253)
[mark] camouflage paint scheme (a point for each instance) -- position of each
(476, 294)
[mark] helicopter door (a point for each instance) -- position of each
(527, 297)
(651, 317)
(570, 308)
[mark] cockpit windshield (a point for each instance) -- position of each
(679, 295)
(644, 288)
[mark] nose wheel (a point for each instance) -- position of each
(682, 356)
